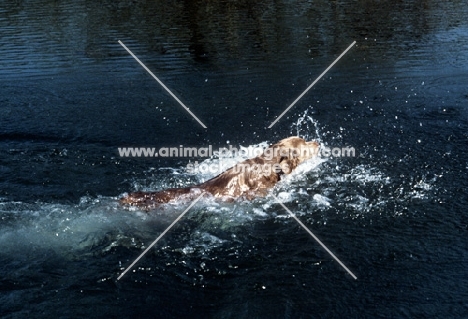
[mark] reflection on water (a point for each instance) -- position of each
(43, 37)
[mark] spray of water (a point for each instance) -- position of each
(306, 127)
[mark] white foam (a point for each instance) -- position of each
(322, 200)
(259, 212)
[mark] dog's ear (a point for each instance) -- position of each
(289, 164)
(285, 168)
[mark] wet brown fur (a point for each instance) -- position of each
(235, 182)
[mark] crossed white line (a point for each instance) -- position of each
(271, 125)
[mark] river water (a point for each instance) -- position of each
(394, 214)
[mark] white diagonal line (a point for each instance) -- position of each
(160, 236)
(315, 237)
(313, 83)
(162, 84)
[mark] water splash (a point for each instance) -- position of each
(307, 127)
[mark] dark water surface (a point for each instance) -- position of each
(396, 214)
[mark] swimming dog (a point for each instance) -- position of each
(248, 179)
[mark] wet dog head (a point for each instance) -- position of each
(290, 152)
